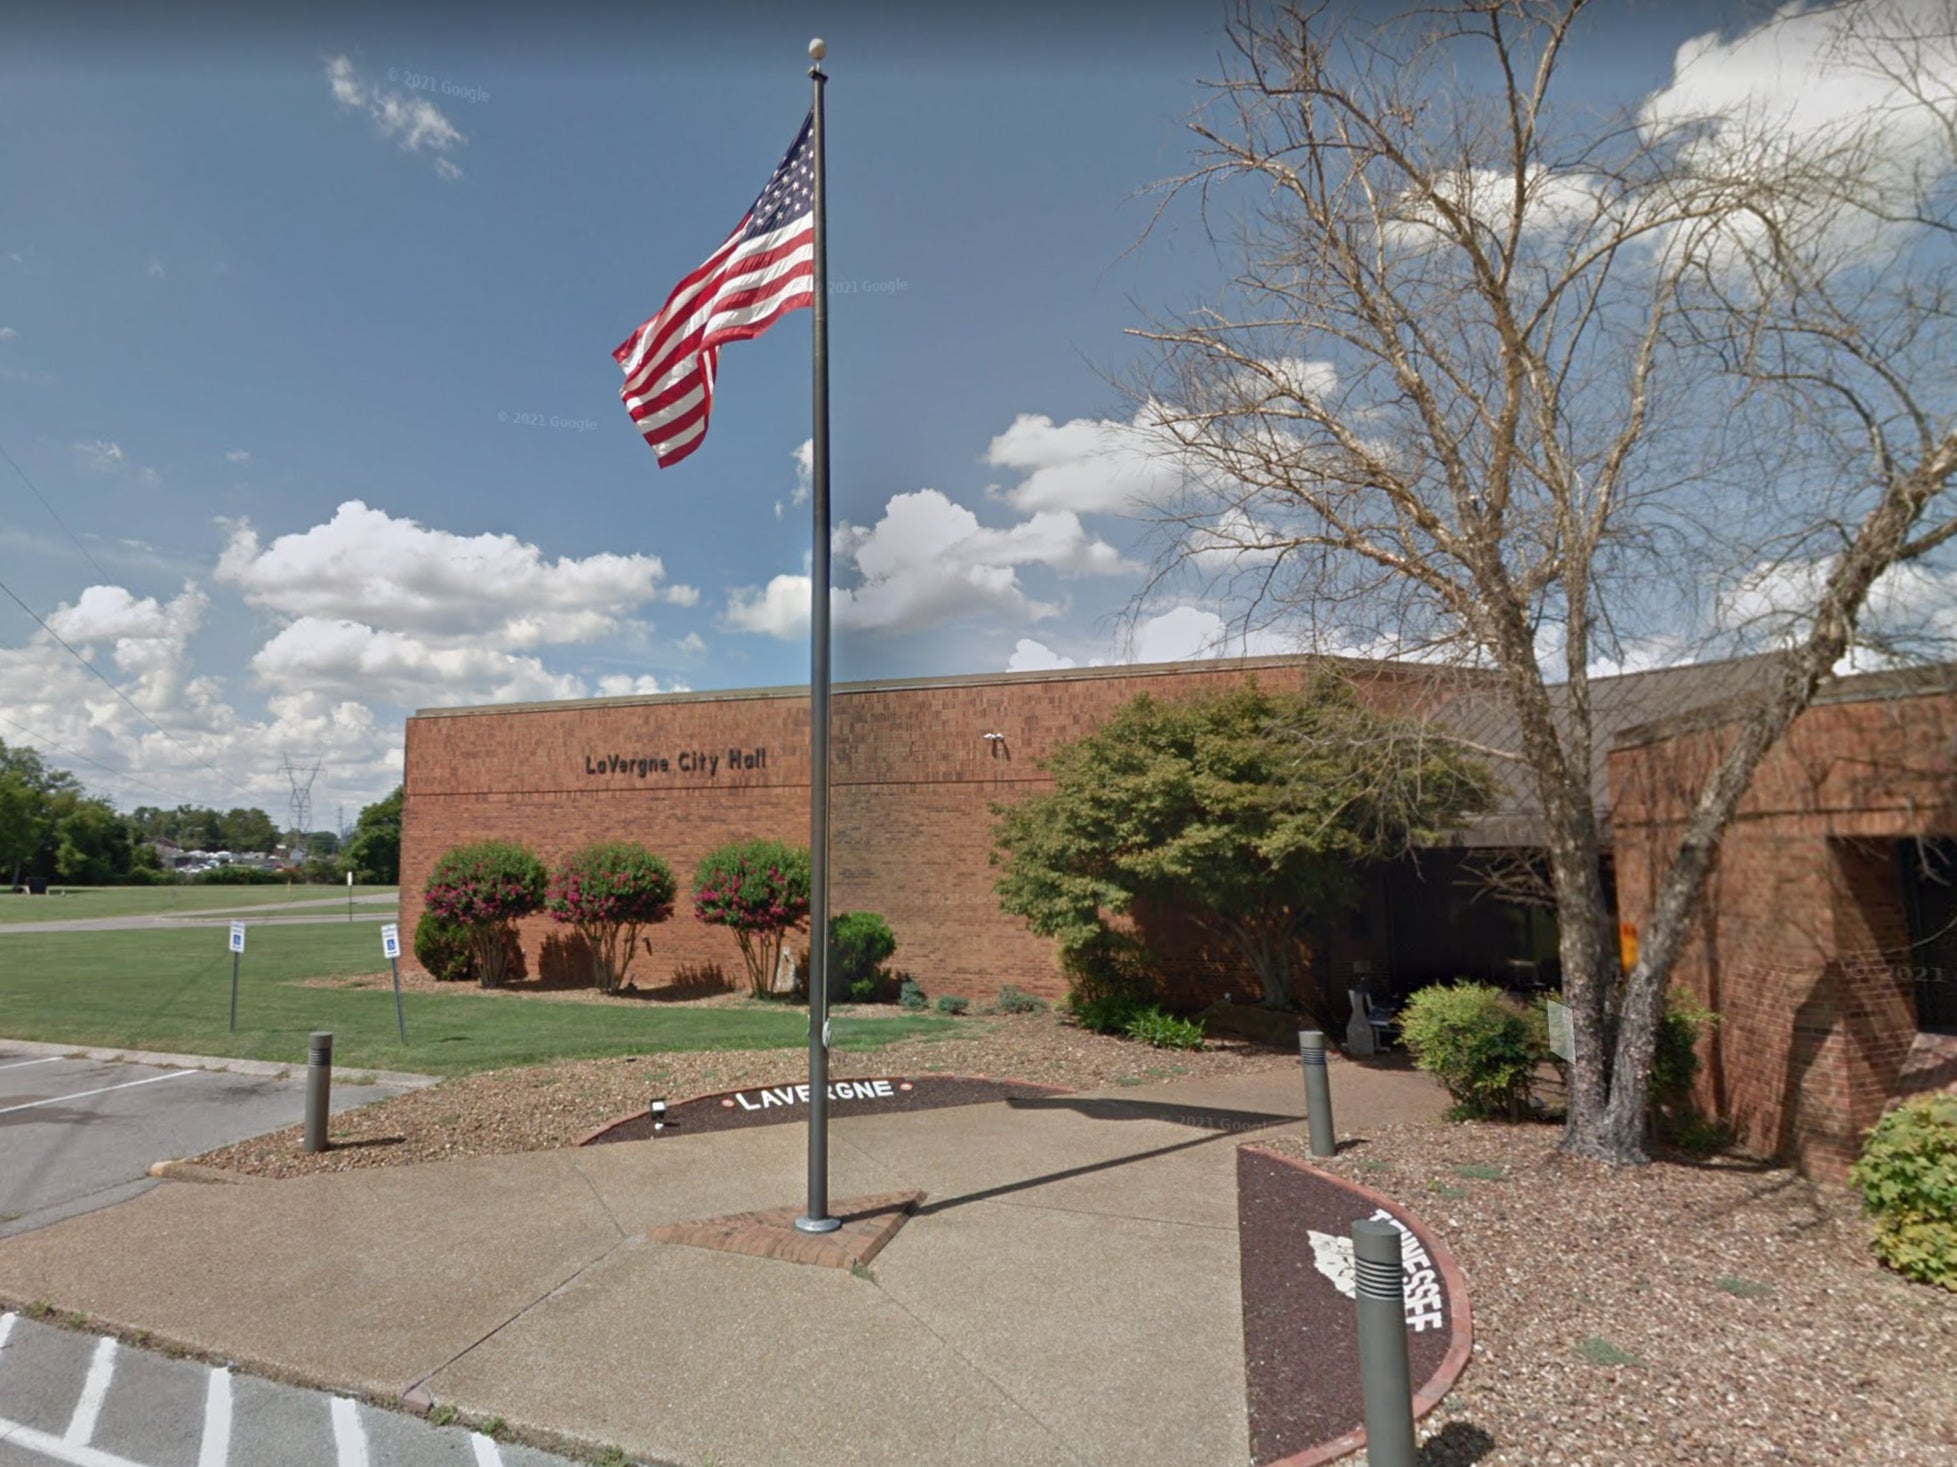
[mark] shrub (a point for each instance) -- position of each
(442, 949)
(1675, 1118)
(760, 889)
(1108, 1014)
(911, 994)
(950, 1003)
(1014, 1000)
(860, 943)
(484, 888)
(1479, 1045)
(1110, 964)
(869, 990)
(239, 875)
(1164, 1030)
(1907, 1175)
(608, 891)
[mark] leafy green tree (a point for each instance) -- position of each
(247, 830)
(23, 824)
(608, 891)
(760, 889)
(373, 851)
(92, 846)
(1248, 811)
(485, 887)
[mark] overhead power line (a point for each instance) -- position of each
(97, 673)
(41, 741)
(51, 511)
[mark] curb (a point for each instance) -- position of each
(403, 1078)
(1461, 1330)
(191, 1171)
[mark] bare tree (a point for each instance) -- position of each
(1507, 379)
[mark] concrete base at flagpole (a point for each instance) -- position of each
(858, 1231)
(817, 1224)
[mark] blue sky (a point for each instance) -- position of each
(305, 334)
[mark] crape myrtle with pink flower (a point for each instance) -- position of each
(760, 889)
(608, 891)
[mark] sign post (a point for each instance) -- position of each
(237, 952)
(391, 950)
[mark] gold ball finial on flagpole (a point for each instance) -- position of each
(818, 48)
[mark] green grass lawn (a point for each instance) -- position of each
(79, 902)
(171, 991)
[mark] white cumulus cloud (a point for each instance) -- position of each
(1088, 465)
(366, 565)
(927, 562)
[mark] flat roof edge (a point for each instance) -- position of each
(967, 680)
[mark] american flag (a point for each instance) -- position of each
(765, 268)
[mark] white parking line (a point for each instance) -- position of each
(47, 1059)
(14, 1434)
(349, 1441)
(84, 1094)
(101, 1370)
(486, 1453)
(216, 1450)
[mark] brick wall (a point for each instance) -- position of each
(1802, 946)
(913, 783)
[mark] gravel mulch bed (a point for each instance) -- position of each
(540, 1107)
(1725, 1312)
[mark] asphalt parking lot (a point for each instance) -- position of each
(78, 1134)
(84, 1401)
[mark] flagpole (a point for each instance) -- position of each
(817, 1219)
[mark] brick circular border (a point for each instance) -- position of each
(1460, 1345)
(590, 1137)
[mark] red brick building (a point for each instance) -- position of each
(1828, 946)
(912, 788)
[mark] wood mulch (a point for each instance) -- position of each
(543, 1106)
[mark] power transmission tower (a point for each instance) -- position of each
(301, 778)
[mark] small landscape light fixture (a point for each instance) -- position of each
(659, 1115)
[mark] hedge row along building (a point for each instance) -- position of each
(1827, 943)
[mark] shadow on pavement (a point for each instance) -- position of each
(1204, 1117)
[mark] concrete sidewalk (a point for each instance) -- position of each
(1068, 1292)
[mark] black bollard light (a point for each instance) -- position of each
(1318, 1093)
(319, 1087)
(1379, 1288)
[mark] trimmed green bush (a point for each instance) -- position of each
(1164, 1030)
(911, 994)
(1015, 1000)
(442, 949)
(1907, 1175)
(860, 943)
(484, 888)
(1481, 1046)
(950, 1003)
